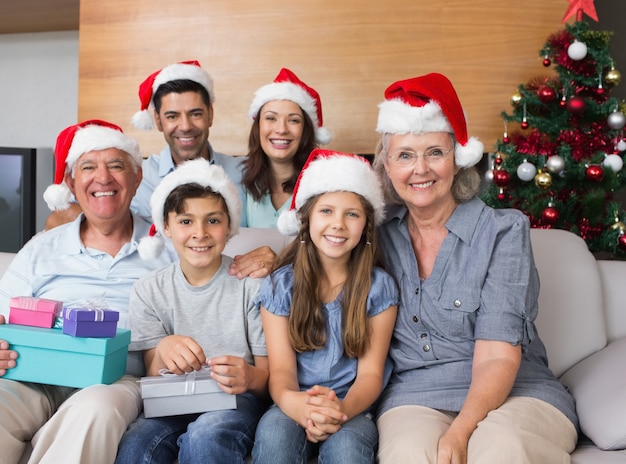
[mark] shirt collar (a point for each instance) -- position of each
(462, 222)
(72, 245)
(166, 162)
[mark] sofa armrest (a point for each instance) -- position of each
(614, 291)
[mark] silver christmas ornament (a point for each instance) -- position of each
(555, 164)
(526, 171)
(615, 162)
(616, 120)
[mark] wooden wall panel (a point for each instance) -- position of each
(348, 50)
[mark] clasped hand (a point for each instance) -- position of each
(325, 413)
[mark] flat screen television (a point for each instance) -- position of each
(24, 175)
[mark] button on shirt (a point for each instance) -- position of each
(484, 285)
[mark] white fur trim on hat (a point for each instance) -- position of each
(396, 117)
(93, 138)
(333, 173)
(205, 174)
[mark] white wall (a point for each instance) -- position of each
(38, 87)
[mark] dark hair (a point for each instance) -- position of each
(256, 175)
(175, 201)
(307, 324)
(179, 86)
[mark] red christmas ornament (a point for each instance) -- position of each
(546, 94)
(501, 196)
(524, 125)
(621, 242)
(550, 215)
(506, 139)
(547, 62)
(501, 178)
(498, 161)
(595, 173)
(576, 105)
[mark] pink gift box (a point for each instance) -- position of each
(35, 312)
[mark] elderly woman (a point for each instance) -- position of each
(471, 381)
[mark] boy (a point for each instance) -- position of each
(193, 313)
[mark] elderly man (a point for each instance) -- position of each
(91, 258)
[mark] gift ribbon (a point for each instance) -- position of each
(190, 380)
(99, 316)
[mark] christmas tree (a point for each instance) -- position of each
(561, 164)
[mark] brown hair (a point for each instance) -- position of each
(307, 326)
(175, 201)
(256, 173)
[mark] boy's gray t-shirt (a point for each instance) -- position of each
(222, 316)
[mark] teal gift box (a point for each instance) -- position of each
(51, 357)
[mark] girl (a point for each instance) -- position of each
(286, 126)
(328, 314)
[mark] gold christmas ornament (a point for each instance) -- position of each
(613, 77)
(516, 99)
(619, 225)
(543, 180)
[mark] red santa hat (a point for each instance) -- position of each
(76, 140)
(198, 171)
(287, 86)
(428, 104)
(332, 171)
(189, 70)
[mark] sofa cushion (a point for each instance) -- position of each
(598, 384)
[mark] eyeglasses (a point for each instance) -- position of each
(406, 159)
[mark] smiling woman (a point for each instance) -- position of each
(286, 126)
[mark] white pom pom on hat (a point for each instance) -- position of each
(202, 173)
(190, 70)
(428, 104)
(332, 171)
(287, 86)
(74, 141)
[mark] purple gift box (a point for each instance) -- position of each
(90, 322)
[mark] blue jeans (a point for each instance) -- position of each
(280, 440)
(212, 437)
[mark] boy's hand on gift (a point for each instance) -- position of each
(232, 373)
(180, 354)
(7, 357)
(255, 263)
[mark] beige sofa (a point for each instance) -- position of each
(582, 321)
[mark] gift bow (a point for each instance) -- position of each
(190, 379)
(99, 317)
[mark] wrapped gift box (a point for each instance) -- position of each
(170, 395)
(35, 312)
(87, 322)
(49, 356)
